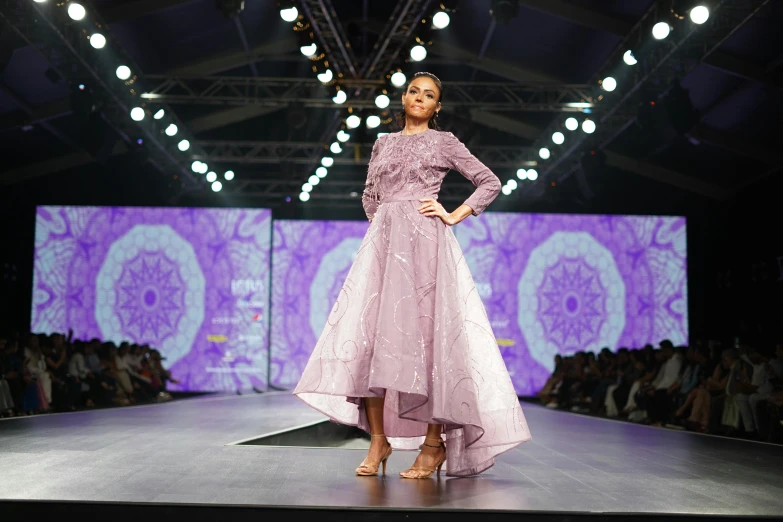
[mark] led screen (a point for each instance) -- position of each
(551, 283)
(193, 283)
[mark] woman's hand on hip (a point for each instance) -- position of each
(431, 208)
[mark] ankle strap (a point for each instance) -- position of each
(379, 435)
(439, 441)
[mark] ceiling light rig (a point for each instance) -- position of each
(437, 19)
(682, 11)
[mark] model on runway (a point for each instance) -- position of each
(408, 353)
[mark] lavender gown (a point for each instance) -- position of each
(409, 321)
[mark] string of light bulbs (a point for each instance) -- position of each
(77, 12)
(439, 19)
(698, 15)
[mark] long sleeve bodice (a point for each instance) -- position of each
(414, 166)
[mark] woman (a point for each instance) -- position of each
(408, 353)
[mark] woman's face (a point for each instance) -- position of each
(420, 101)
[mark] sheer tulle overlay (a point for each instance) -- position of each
(410, 325)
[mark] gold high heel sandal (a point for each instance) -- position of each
(367, 470)
(423, 472)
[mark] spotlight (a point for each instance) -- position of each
(229, 175)
(184, 145)
(418, 53)
(629, 58)
(304, 196)
(544, 153)
(327, 162)
(314, 180)
(340, 97)
(76, 11)
(571, 124)
(522, 174)
(203, 168)
(353, 121)
(398, 79)
(171, 130)
(506, 190)
(307, 187)
(661, 30)
(196, 167)
(160, 114)
(98, 41)
(588, 126)
(441, 20)
(140, 142)
(558, 138)
(373, 121)
(82, 87)
(512, 183)
(382, 101)
(700, 14)
(217, 186)
(137, 114)
(609, 84)
(532, 174)
(326, 76)
(211, 176)
(308, 50)
(343, 136)
(321, 172)
(289, 15)
(335, 148)
(123, 72)
(40, 1)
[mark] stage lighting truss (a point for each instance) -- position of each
(394, 40)
(70, 47)
(272, 92)
(663, 62)
(229, 152)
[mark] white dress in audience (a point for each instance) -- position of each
(669, 372)
(77, 368)
(123, 376)
(36, 365)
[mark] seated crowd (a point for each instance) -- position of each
(737, 392)
(53, 373)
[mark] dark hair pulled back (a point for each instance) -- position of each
(399, 117)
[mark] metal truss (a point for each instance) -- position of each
(402, 23)
(309, 92)
(660, 65)
(327, 28)
(398, 30)
(64, 44)
(276, 152)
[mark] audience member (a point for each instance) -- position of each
(52, 372)
(710, 390)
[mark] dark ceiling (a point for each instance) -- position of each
(733, 142)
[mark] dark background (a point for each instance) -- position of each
(735, 249)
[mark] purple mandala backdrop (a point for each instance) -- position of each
(552, 284)
(310, 261)
(193, 283)
(555, 284)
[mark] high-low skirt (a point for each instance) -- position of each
(409, 325)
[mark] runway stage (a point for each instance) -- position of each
(180, 459)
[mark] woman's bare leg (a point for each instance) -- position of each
(682, 409)
(428, 456)
(378, 445)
